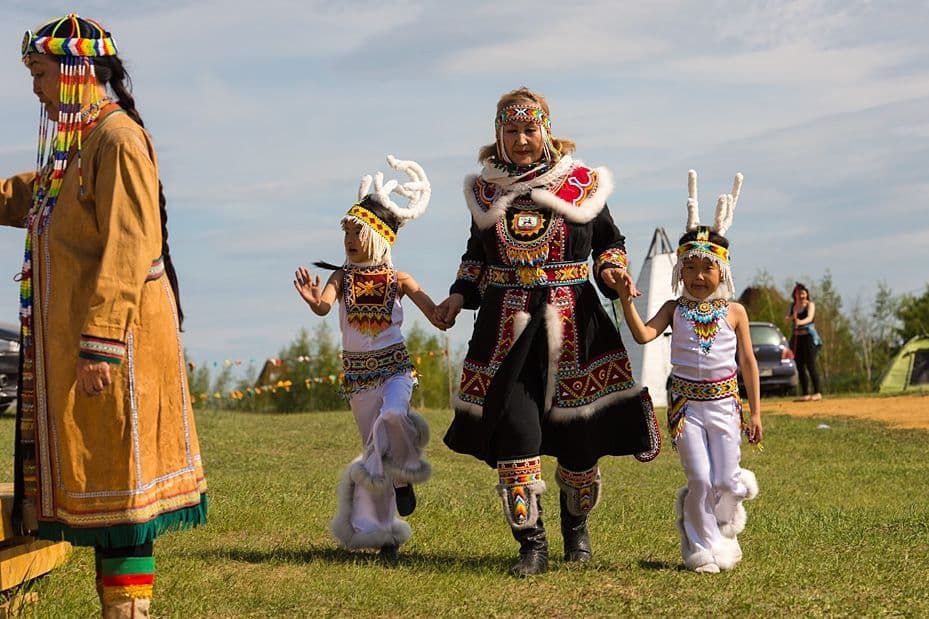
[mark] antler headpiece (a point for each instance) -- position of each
(701, 246)
(379, 215)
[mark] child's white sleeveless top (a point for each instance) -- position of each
(688, 358)
(354, 340)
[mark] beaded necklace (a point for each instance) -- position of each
(704, 316)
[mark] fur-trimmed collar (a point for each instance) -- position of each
(571, 189)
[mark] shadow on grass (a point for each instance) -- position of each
(658, 566)
(423, 560)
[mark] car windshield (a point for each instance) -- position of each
(765, 335)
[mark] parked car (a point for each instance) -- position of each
(9, 364)
(777, 371)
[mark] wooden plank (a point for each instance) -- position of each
(6, 506)
(28, 558)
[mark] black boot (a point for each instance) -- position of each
(533, 549)
(574, 531)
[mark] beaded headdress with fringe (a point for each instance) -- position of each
(702, 247)
(75, 41)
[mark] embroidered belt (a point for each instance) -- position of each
(715, 390)
(559, 274)
(683, 390)
(366, 370)
(156, 270)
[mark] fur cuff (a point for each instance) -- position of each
(736, 525)
(751, 483)
(521, 503)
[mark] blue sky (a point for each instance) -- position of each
(266, 114)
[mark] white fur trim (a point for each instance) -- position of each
(422, 470)
(751, 483)
(555, 337)
(520, 322)
(728, 554)
(563, 414)
(341, 525)
(586, 211)
(735, 526)
(484, 219)
(361, 476)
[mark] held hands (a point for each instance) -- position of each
(621, 281)
(309, 289)
(93, 376)
(447, 311)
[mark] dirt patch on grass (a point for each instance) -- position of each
(904, 411)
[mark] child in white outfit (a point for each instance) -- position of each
(710, 340)
(378, 379)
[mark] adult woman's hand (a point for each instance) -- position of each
(93, 376)
(448, 310)
(620, 280)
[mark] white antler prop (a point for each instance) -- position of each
(417, 190)
(693, 213)
(725, 206)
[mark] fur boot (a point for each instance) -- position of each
(533, 547)
(574, 533)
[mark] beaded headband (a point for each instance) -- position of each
(529, 113)
(523, 113)
(377, 224)
(70, 45)
(702, 245)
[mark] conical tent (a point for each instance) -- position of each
(909, 369)
(651, 363)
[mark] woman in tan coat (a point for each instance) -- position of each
(107, 452)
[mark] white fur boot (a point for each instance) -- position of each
(697, 560)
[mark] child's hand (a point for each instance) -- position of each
(755, 431)
(621, 281)
(448, 310)
(309, 289)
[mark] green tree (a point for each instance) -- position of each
(306, 360)
(431, 361)
(763, 301)
(838, 361)
(874, 332)
(913, 313)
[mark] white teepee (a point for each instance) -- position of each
(651, 363)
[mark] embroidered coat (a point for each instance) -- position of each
(119, 468)
(526, 270)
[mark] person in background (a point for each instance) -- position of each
(805, 341)
(106, 445)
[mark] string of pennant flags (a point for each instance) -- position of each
(285, 384)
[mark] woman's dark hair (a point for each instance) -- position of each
(111, 72)
(718, 239)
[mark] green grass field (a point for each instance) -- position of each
(841, 528)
